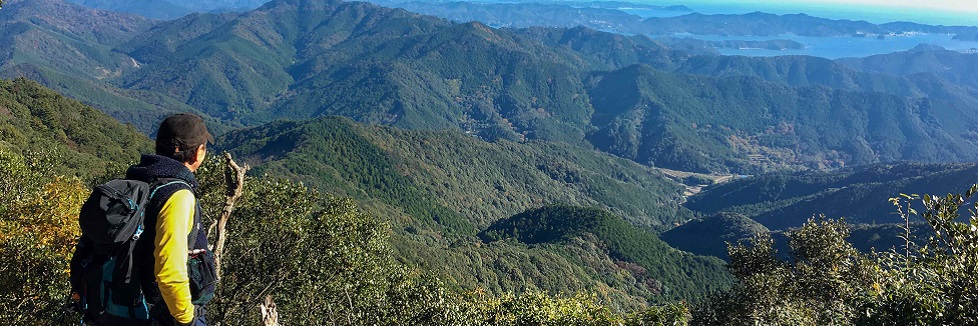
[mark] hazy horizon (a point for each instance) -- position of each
(936, 12)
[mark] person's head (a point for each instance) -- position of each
(183, 137)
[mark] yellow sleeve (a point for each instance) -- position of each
(172, 228)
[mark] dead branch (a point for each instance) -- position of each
(269, 313)
(234, 179)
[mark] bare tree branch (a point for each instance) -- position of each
(269, 313)
(234, 176)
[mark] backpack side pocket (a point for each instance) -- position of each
(203, 277)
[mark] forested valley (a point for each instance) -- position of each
(405, 169)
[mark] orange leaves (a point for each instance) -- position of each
(49, 216)
(38, 230)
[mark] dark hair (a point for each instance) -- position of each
(184, 155)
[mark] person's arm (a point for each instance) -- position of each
(172, 228)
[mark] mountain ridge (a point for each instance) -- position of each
(65, 136)
(860, 194)
(753, 23)
(431, 161)
(388, 66)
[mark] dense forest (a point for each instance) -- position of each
(295, 243)
(861, 194)
(308, 249)
(440, 189)
(406, 169)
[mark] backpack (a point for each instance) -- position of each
(104, 276)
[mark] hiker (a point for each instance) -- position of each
(161, 265)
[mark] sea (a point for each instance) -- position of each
(827, 47)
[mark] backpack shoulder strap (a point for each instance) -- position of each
(166, 182)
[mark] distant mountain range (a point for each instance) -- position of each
(759, 23)
(601, 15)
(170, 9)
(627, 95)
(780, 202)
(520, 15)
(609, 18)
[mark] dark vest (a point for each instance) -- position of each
(154, 168)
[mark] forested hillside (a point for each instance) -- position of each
(664, 270)
(77, 140)
(707, 124)
(69, 48)
(170, 9)
(288, 241)
(957, 67)
(710, 235)
(478, 181)
(860, 194)
(440, 188)
(284, 230)
(64, 37)
(302, 59)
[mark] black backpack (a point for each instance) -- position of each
(104, 277)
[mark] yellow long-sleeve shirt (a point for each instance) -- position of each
(173, 226)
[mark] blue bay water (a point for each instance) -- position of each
(828, 47)
(844, 46)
